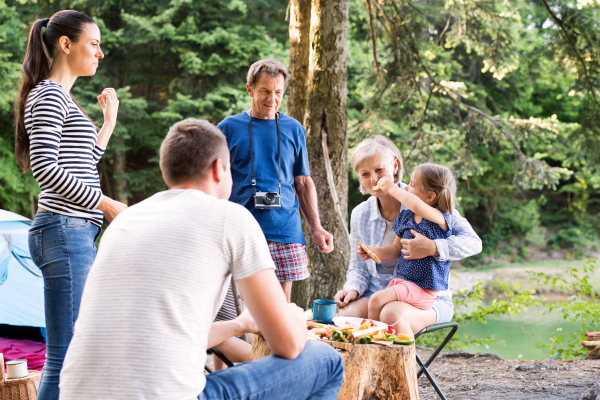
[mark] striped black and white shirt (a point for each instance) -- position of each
(63, 153)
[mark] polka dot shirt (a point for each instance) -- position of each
(427, 273)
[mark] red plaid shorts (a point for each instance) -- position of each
(291, 263)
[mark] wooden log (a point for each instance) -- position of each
(370, 371)
(592, 336)
(593, 348)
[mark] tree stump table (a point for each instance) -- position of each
(371, 371)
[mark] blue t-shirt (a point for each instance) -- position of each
(281, 224)
(427, 273)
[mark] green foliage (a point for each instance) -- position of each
(469, 308)
(496, 92)
(168, 60)
(581, 306)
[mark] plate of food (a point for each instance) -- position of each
(356, 323)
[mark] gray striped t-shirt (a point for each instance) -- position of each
(152, 294)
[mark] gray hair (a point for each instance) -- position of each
(271, 67)
(377, 146)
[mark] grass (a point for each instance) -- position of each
(518, 273)
(564, 264)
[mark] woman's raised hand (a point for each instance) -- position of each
(110, 105)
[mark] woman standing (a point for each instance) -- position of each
(63, 147)
(371, 222)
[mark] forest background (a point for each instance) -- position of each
(504, 93)
(525, 153)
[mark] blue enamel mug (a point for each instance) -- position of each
(324, 311)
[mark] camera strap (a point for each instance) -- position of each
(252, 152)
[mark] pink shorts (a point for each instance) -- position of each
(412, 294)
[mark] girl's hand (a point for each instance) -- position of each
(110, 105)
(385, 184)
(365, 256)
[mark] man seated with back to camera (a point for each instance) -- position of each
(159, 279)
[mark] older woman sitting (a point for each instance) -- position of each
(371, 222)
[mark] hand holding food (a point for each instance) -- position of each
(368, 253)
(385, 184)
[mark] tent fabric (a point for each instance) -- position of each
(11, 216)
(15, 349)
(5, 249)
(22, 294)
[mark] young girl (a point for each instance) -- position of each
(427, 204)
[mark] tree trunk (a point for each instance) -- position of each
(326, 118)
(299, 58)
(370, 371)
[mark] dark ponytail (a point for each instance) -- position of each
(36, 67)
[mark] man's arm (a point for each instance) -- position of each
(307, 198)
(283, 325)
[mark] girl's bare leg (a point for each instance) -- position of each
(406, 318)
(379, 300)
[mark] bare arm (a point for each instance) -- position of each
(110, 107)
(416, 205)
(282, 325)
(390, 251)
(223, 330)
(307, 198)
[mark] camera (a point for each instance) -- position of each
(267, 200)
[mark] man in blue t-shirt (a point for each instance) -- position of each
(282, 226)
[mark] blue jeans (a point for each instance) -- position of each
(64, 249)
(317, 373)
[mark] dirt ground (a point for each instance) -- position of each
(468, 376)
(463, 375)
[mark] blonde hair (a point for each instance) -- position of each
(439, 180)
(377, 146)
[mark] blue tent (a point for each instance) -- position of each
(21, 284)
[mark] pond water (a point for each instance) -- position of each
(516, 341)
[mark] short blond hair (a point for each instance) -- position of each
(377, 146)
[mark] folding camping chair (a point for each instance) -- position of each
(220, 355)
(239, 306)
(454, 327)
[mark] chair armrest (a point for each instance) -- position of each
(437, 327)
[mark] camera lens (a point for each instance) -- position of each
(269, 198)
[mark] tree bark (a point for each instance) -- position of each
(370, 371)
(326, 115)
(299, 31)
